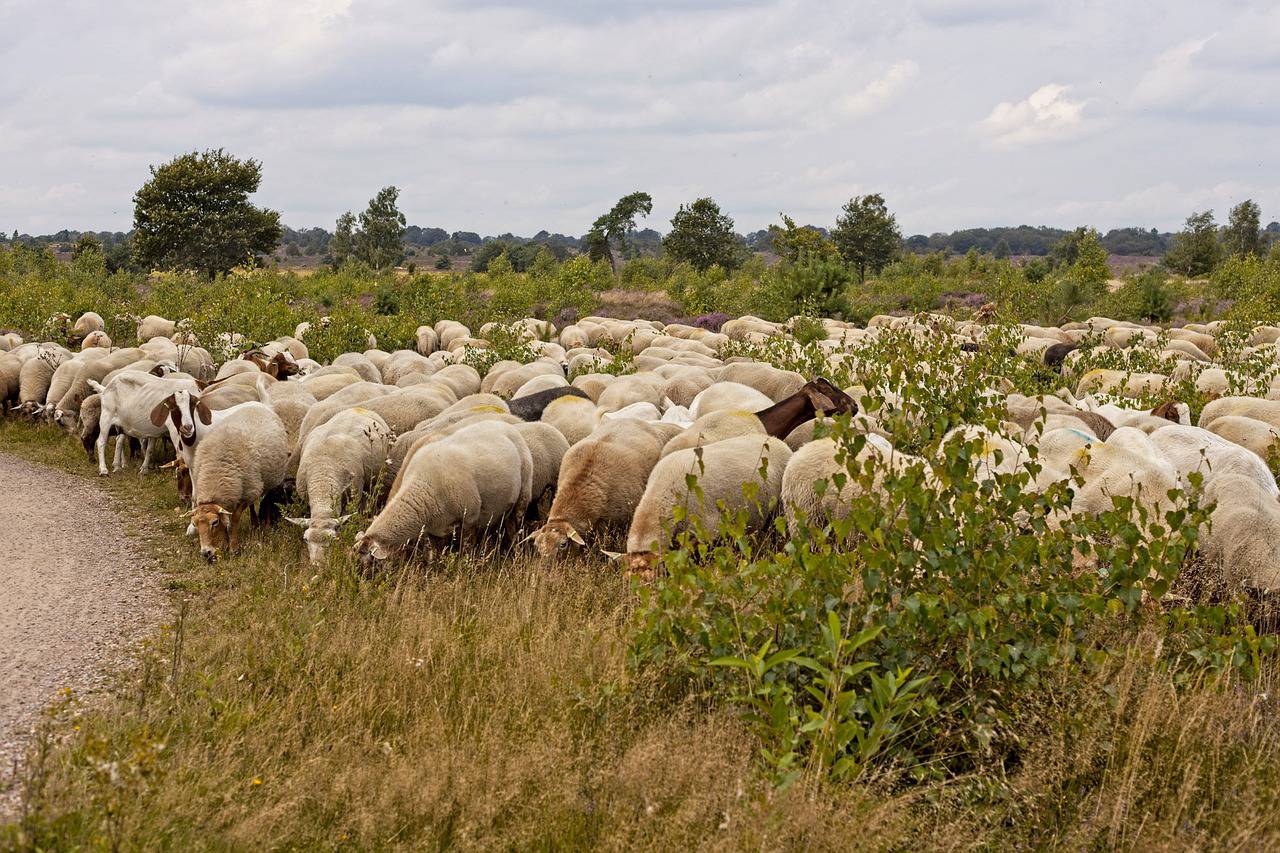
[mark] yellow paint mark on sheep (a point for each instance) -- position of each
(488, 408)
(361, 410)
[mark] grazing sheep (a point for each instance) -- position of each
(86, 324)
(1126, 464)
(1244, 532)
(477, 479)
(361, 364)
(547, 447)
(426, 341)
(152, 326)
(238, 464)
(530, 407)
(341, 460)
(574, 416)
(1252, 434)
(602, 479)
(625, 390)
(822, 460)
(724, 471)
(404, 411)
(1192, 449)
(36, 376)
(729, 396)
(1267, 411)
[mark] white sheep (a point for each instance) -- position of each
(826, 460)
(476, 479)
(341, 460)
(728, 475)
(238, 464)
(1192, 449)
(1244, 532)
(602, 478)
(729, 396)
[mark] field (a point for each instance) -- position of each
(494, 700)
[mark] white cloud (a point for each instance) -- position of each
(1171, 77)
(882, 89)
(1046, 114)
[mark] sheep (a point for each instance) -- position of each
(323, 410)
(95, 370)
(625, 390)
(545, 382)
(507, 383)
(474, 480)
(1267, 411)
(153, 326)
(397, 364)
(638, 411)
(1126, 464)
(1192, 449)
(87, 427)
(128, 403)
(36, 376)
(713, 427)
(724, 470)
(341, 460)
(602, 479)
(530, 407)
(1244, 532)
(822, 460)
(239, 463)
(1125, 383)
(1250, 433)
(404, 411)
(462, 378)
(426, 341)
(85, 325)
(95, 340)
(729, 396)
(573, 416)
(594, 384)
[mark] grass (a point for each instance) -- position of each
(486, 703)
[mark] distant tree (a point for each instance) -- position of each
(795, 243)
(703, 236)
(195, 214)
(611, 229)
(1001, 251)
(443, 262)
(342, 244)
(86, 243)
(1089, 267)
(487, 253)
(1243, 234)
(467, 237)
(1066, 251)
(1195, 249)
(867, 234)
(380, 240)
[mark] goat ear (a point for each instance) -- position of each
(203, 412)
(160, 412)
(820, 401)
(301, 522)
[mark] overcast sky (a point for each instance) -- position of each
(498, 117)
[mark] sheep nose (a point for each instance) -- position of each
(209, 554)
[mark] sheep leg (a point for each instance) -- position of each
(233, 533)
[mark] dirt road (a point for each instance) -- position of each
(74, 594)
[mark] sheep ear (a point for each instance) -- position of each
(301, 522)
(343, 519)
(527, 538)
(575, 536)
(95, 386)
(613, 555)
(203, 412)
(377, 551)
(172, 464)
(161, 411)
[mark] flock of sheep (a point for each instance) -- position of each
(440, 455)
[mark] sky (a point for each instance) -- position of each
(498, 116)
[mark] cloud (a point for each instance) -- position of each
(1046, 114)
(882, 89)
(1170, 79)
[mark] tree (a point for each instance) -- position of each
(1195, 249)
(195, 214)
(343, 242)
(613, 227)
(796, 243)
(380, 240)
(867, 234)
(1090, 266)
(1243, 234)
(1001, 251)
(86, 244)
(703, 236)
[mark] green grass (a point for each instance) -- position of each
(486, 703)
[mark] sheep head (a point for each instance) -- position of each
(318, 534)
(213, 525)
(370, 552)
(554, 537)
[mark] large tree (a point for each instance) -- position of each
(195, 214)
(867, 234)
(1243, 234)
(377, 238)
(703, 236)
(380, 240)
(1195, 249)
(611, 229)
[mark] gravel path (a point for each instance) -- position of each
(74, 594)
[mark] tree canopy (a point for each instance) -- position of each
(867, 234)
(379, 239)
(611, 229)
(1195, 249)
(703, 237)
(1243, 234)
(195, 214)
